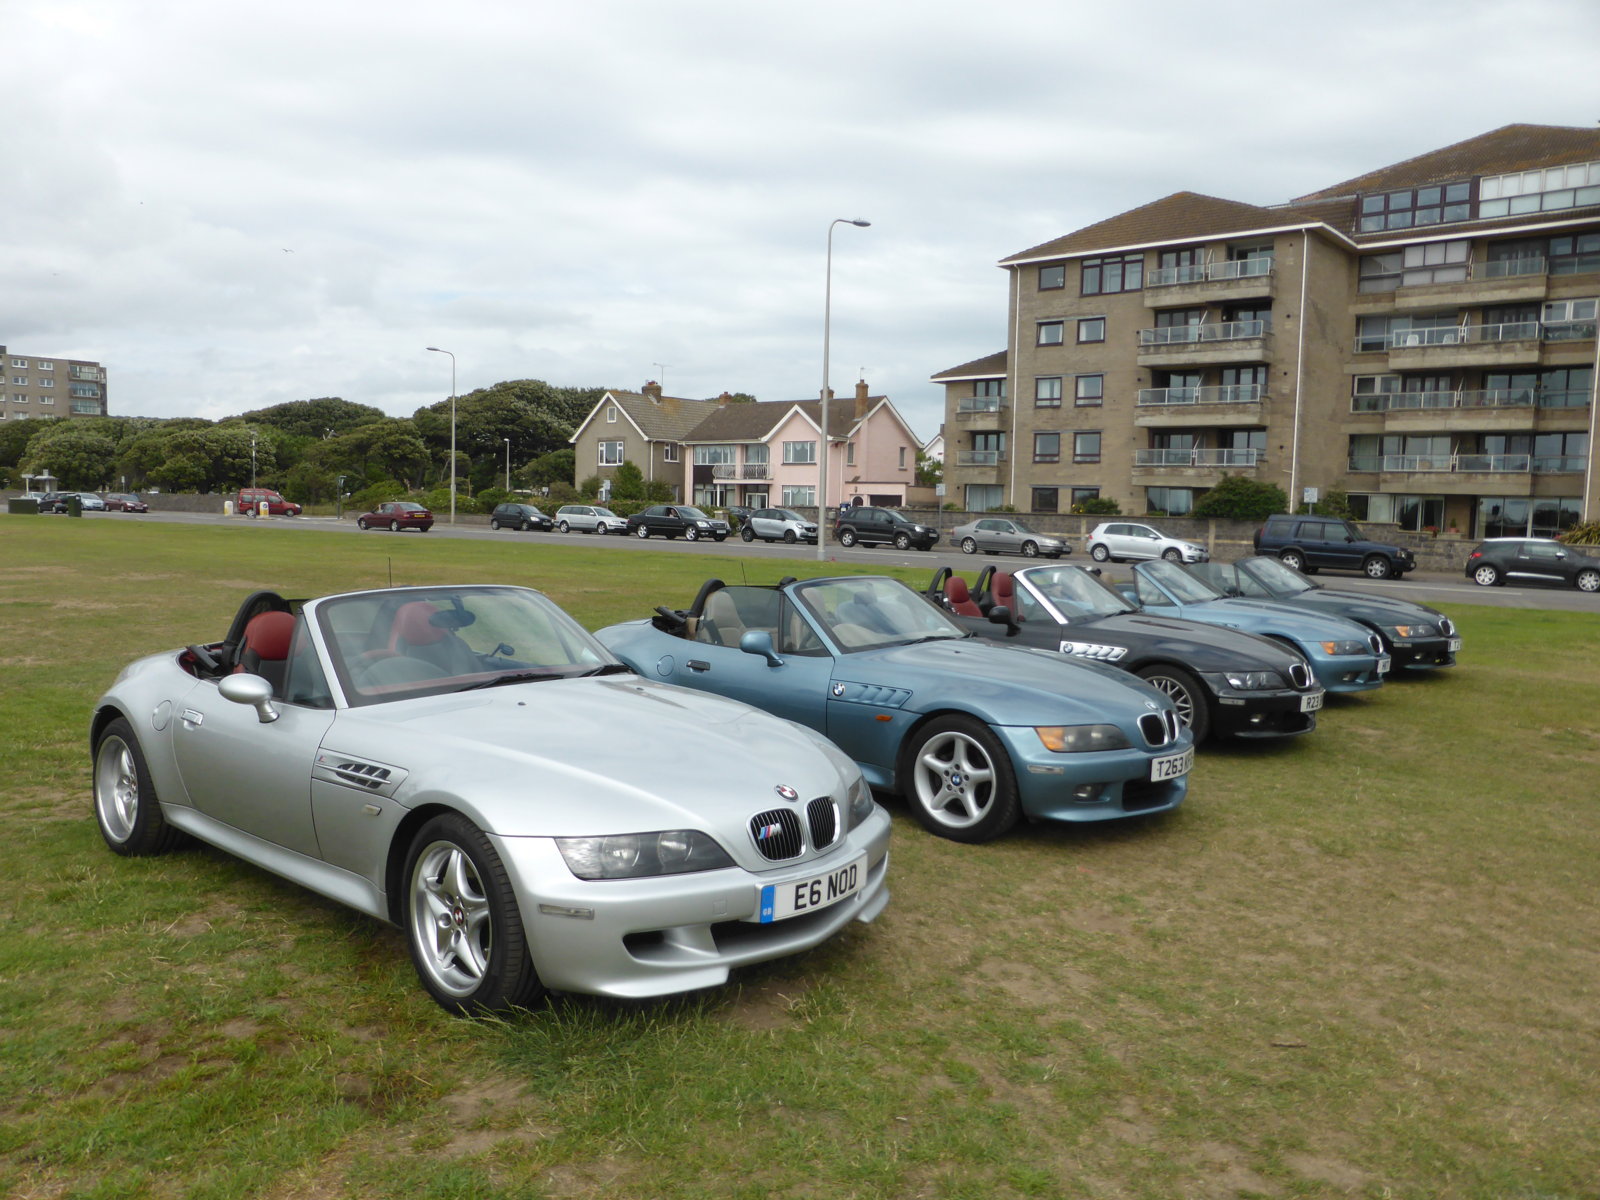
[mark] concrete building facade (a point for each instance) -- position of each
(36, 387)
(1422, 337)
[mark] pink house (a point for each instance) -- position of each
(765, 454)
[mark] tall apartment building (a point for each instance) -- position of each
(1422, 336)
(50, 387)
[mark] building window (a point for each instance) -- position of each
(1047, 447)
(1047, 391)
(1102, 276)
(669, 452)
(19, 380)
(712, 456)
(990, 387)
(1052, 276)
(1415, 266)
(1046, 500)
(1086, 447)
(47, 383)
(1051, 333)
(1092, 329)
(1080, 494)
(902, 458)
(984, 497)
(1542, 190)
(611, 413)
(47, 399)
(849, 454)
(1089, 390)
(799, 497)
(1175, 502)
(1412, 207)
(44, 364)
(19, 362)
(610, 454)
(85, 389)
(799, 453)
(1564, 321)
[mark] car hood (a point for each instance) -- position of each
(592, 756)
(1376, 610)
(1009, 685)
(1206, 647)
(1287, 619)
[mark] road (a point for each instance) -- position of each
(1435, 589)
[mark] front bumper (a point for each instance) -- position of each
(676, 933)
(1424, 654)
(1261, 714)
(1345, 673)
(1104, 785)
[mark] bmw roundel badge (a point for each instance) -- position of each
(787, 792)
(838, 689)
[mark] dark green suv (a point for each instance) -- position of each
(1310, 543)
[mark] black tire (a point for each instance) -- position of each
(1172, 554)
(1377, 567)
(720, 537)
(361, 523)
(790, 537)
(847, 538)
(1030, 549)
(959, 780)
(1487, 575)
(1588, 580)
(1186, 694)
(641, 532)
(969, 545)
(747, 533)
(462, 922)
(494, 525)
(902, 541)
(1099, 553)
(394, 526)
(125, 804)
(564, 527)
(691, 534)
(1294, 560)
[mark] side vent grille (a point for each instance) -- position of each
(362, 774)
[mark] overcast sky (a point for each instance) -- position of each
(233, 204)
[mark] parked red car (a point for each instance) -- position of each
(125, 502)
(397, 515)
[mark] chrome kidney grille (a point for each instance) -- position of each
(779, 833)
(1300, 675)
(1376, 643)
(1159, 728)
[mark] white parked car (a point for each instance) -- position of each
(589, 518)
(1114, 541)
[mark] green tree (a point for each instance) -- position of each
(558, 466)
(78, 455)
(628, 482)
(930, 471)
(1238, 498)
(1098, 506)
(319, 418)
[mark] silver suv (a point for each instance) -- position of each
(588, 518)
(1118, 540)
(777, 524)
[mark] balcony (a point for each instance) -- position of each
(1198, 458)
(1475, 464)
(1231, 404)
(980, 458)
(741, 471)
(1202, 283)
(92, 374)
(1209, 342)
(1239, 393)
(981, 412)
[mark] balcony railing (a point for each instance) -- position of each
(1235, 393)
(1491, 464)
(1485, 398)
(1244, 268)
(1198, 458)
(1458, 335)
(1211, 331)
(91, 373)
(980, 458)
(1509, 268)
(980, 404)
(741, 471)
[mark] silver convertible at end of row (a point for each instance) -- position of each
(446, 759)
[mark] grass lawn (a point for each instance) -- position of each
(1361, 964)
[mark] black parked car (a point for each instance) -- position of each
(525, 517)
(1417, 637)
(677, 520)
(1309, 543)
(1223, 682)
(1525, 560)
(879, 526)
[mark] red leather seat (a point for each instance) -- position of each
(1005, 592)
(264, 650)
(959, 598)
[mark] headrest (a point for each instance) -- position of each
(268, 635)
(956, 590)
(414, 624)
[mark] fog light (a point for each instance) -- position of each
(1087, 793)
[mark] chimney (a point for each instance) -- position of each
(653, 390)
(724, 399)
(861, 399)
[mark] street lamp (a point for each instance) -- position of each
(252, 460)
(507, 441)
(827, 316)
(436, 350)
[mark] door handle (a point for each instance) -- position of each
(695, 664)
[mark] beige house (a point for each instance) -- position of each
(1421, 336)
(644, 428)
(50, 387)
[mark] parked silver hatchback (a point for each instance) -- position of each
(777, 525)
(588, 518)
(1118, 540)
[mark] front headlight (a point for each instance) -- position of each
(1350, 647)
(860, 802)
(1253, 681)
(703, 524)
(1411, 631)
(1076, 739)
(640, 855)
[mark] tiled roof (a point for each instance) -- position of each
(1509, 148)
(749, 422)
(989, 364)
(1180, 216)
(668, 419)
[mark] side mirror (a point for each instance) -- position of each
(252, 690)
(759, 643)
(1000, 614)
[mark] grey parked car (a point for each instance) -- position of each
(1007, 535)
(1119, 540)
(589, 518)
(390, 750)
(777, 525)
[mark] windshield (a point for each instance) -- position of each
(1271, 578)
(604, 512)
(1075, 593)
(1024, 527)
(694, 514)
(788, 514)
(870, 612)
(1186, 587)
(400, 643)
